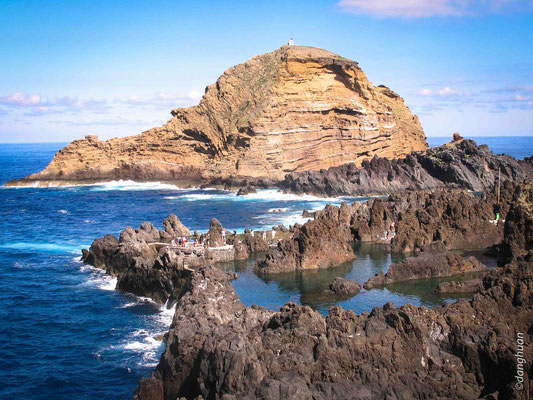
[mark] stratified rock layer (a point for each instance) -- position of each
(294, 109)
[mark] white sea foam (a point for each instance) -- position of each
(62, 211)
(143, 341)
(98, 278)
(104, 186)
(108, 284)
(263, 195)
(129, 185)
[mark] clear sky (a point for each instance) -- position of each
(116, 68)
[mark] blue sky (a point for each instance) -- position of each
(116, 68)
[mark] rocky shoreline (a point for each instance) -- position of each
(458, 164)
(218, 348)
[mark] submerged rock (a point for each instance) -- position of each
(248, 189)
(470, 285)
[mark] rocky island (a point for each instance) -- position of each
(295, 109)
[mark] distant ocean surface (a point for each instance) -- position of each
(66, 334)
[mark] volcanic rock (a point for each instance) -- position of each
(174, 227)
(518, 228)
(248, 189)
(345, 287)
(470, 285)
(429, 264)
(219, 349)
(320, 243)
(294, 109)
(459, 164)
(216, 234)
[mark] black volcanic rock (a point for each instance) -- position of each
(344, 287)
(459, 164)
(519, 223)
(432, 263)
(248, 189)
(219, 349)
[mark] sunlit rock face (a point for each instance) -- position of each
(294, 109)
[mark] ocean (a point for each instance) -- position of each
(67, 334)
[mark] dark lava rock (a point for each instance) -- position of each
(246, 190)
(175, 228)
(219, 349)
(407, 221)
(518, 228)
(468, 286)
(216, 236)
(459, 164)
(429, 264)
(319, 243)
(345, 287)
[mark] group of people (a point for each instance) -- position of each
(184, 241)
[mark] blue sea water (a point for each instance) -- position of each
(65, 333)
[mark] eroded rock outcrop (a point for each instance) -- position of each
(466, 286)
(294, 109)
(219, 349)
(432, 262)
(320, 243)
(407, 221)
(519, 223)
(459, 164)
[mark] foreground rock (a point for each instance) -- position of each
(219, 349)
(345, 287)
(294, 109)
(433, 262)
(459, 164)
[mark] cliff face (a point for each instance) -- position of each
(294, 109)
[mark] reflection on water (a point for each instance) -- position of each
(309, 287)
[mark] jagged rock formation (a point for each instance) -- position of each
(407, 221)
(432, 262)
(219, 349)
(319, 243)
(294, 109)
(519, 223)
(459, 164)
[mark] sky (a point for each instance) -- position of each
(117, 68)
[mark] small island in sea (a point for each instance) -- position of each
(295, 235)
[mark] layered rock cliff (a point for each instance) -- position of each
(294, 109)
